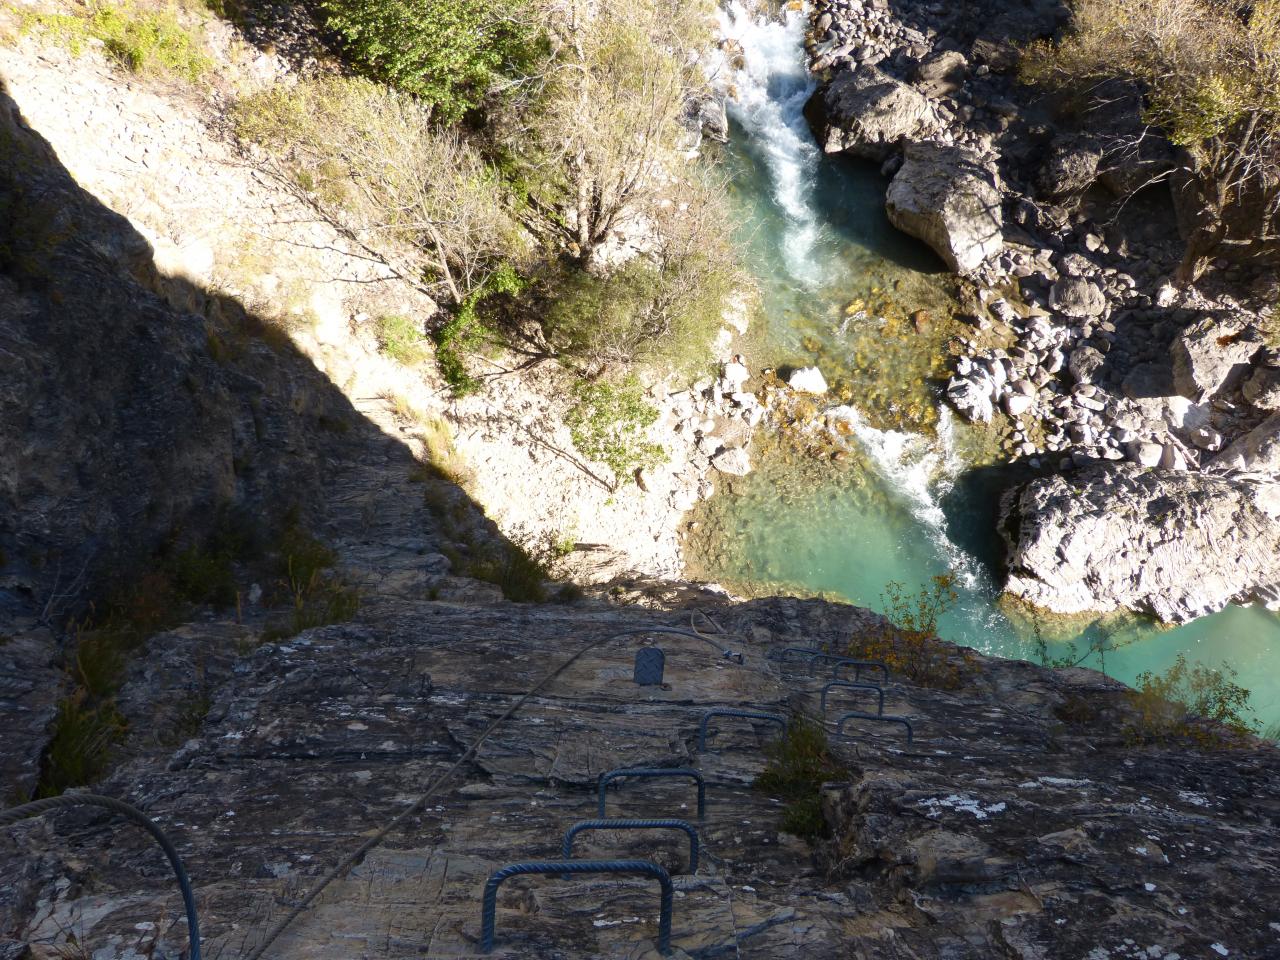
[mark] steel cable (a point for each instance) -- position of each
(355, 856)
(38, 807)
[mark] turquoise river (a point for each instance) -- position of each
(837, 283)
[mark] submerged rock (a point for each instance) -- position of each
(808, 380)
(947, 198)
(1178, 545)
(735, 462)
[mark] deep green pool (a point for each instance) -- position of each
(837, 285)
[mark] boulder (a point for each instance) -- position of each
(972, 395)
(735, 462)
(1068, 171)
(1212, 356)
(808, 380)
(944, 196)
(1016, 404)
(941, 72)
(1262, 388)
(706, 115)
(1085, 363)
(1258, 451)
(1077, 297)
(735, 374)
(1145, 454)
(868, 113)
(1177, 545)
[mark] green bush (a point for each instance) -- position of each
(607, 422)
(402, 340)
(467, 329)
(142, 41)
(667, 313)
(449, 53)
(1192, 701)
(800, 762)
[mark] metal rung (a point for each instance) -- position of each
(652, 773)
(850, 685)
(871, 716)
(489, 906)
(566, 849)
(857, 668)
(744, 714)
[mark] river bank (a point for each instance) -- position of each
(910, 505)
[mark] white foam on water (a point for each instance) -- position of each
(768, 91)
(920, 470)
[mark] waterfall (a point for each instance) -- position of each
(762, 67)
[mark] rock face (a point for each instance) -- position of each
(947, 198)
(1211, 356)
(868, 113)
(1065, 834)
(1176, 545)
(125, 421)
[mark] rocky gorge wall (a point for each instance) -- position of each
(1082, 354)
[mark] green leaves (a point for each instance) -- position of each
(447, 52)
(607, 423)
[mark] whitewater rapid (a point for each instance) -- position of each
(761, 66)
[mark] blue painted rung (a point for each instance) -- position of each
(776, 718)
(652, 773)
(850, 685)
(871, 716)
(489, 905)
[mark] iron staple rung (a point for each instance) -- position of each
(489, 906)
(871, 716)
(652, 773)
(814, 655)
(566, 850)
(851, 685)
(777, 718)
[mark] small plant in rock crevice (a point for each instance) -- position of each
(1191, 701)
(402, 339)
(800, 762)
(908, 643)
(314, 595)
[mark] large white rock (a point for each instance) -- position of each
(1258, 451)
(735, 462)
(1178, 545)
(808, 380)
(734, 376)
(944, 196)
(1016, 404)
(869, 112)
(1211, 356)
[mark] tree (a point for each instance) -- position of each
(448, 53)
(1209, 74)
(372, 160)
(609, 128)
